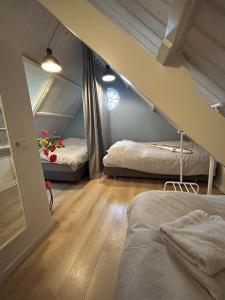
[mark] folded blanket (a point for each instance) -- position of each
(198, 241)
(200, 238)
(214, 284)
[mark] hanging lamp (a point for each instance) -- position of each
(108, 75)
(50, 63)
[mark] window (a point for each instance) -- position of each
(112, 98)
(37, 81)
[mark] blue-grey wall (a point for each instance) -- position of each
(76, 126)
(132, 119)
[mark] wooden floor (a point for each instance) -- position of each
(79, 259)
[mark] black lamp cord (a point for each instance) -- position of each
(49, 44)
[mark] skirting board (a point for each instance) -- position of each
(21, 257)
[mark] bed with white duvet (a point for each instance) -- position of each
(147, 269)
(159, 158)
(72, 161)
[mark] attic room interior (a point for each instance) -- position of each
(112, 161)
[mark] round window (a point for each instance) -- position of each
(112, 98)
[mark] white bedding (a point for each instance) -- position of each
(148, 270)
(73, 154)
(147, 158)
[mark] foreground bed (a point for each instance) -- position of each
(133, 159)
(72, 162)
(147, 270)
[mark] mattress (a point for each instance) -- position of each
(73, 154)
(147, 270)
(146, 157)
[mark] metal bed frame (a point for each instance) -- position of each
(181, 186)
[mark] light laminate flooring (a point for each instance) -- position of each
(80, 257)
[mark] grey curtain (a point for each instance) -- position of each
(92, 97)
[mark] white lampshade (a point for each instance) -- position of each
(108, 75)
(50, 63)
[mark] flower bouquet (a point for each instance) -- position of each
(48, 143)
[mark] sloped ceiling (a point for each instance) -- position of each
(41, 30)
(146, 21)
(204, 47)
(38, 29)
(61, 89)
(169, 87)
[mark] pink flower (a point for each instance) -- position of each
(48, 184)
(44, 132)
(53, 158)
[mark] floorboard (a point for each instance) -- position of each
(80, 257)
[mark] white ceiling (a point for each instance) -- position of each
(145, 20)
(38, 29)
(203, 44)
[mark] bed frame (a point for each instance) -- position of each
(122, 172)
(57, 172)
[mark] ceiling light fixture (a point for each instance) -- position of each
(50, 63)
(108, 75)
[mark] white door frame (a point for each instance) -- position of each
(21, 131)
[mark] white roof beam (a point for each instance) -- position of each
(180, 16)
(49, 114)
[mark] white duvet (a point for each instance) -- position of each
(146, 157)
(148, 271)
(73, 154)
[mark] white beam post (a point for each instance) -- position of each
(211, 174)
(180, 16)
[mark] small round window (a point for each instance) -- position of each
(112, 98)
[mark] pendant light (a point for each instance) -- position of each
(108, 75)
(49, 62)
